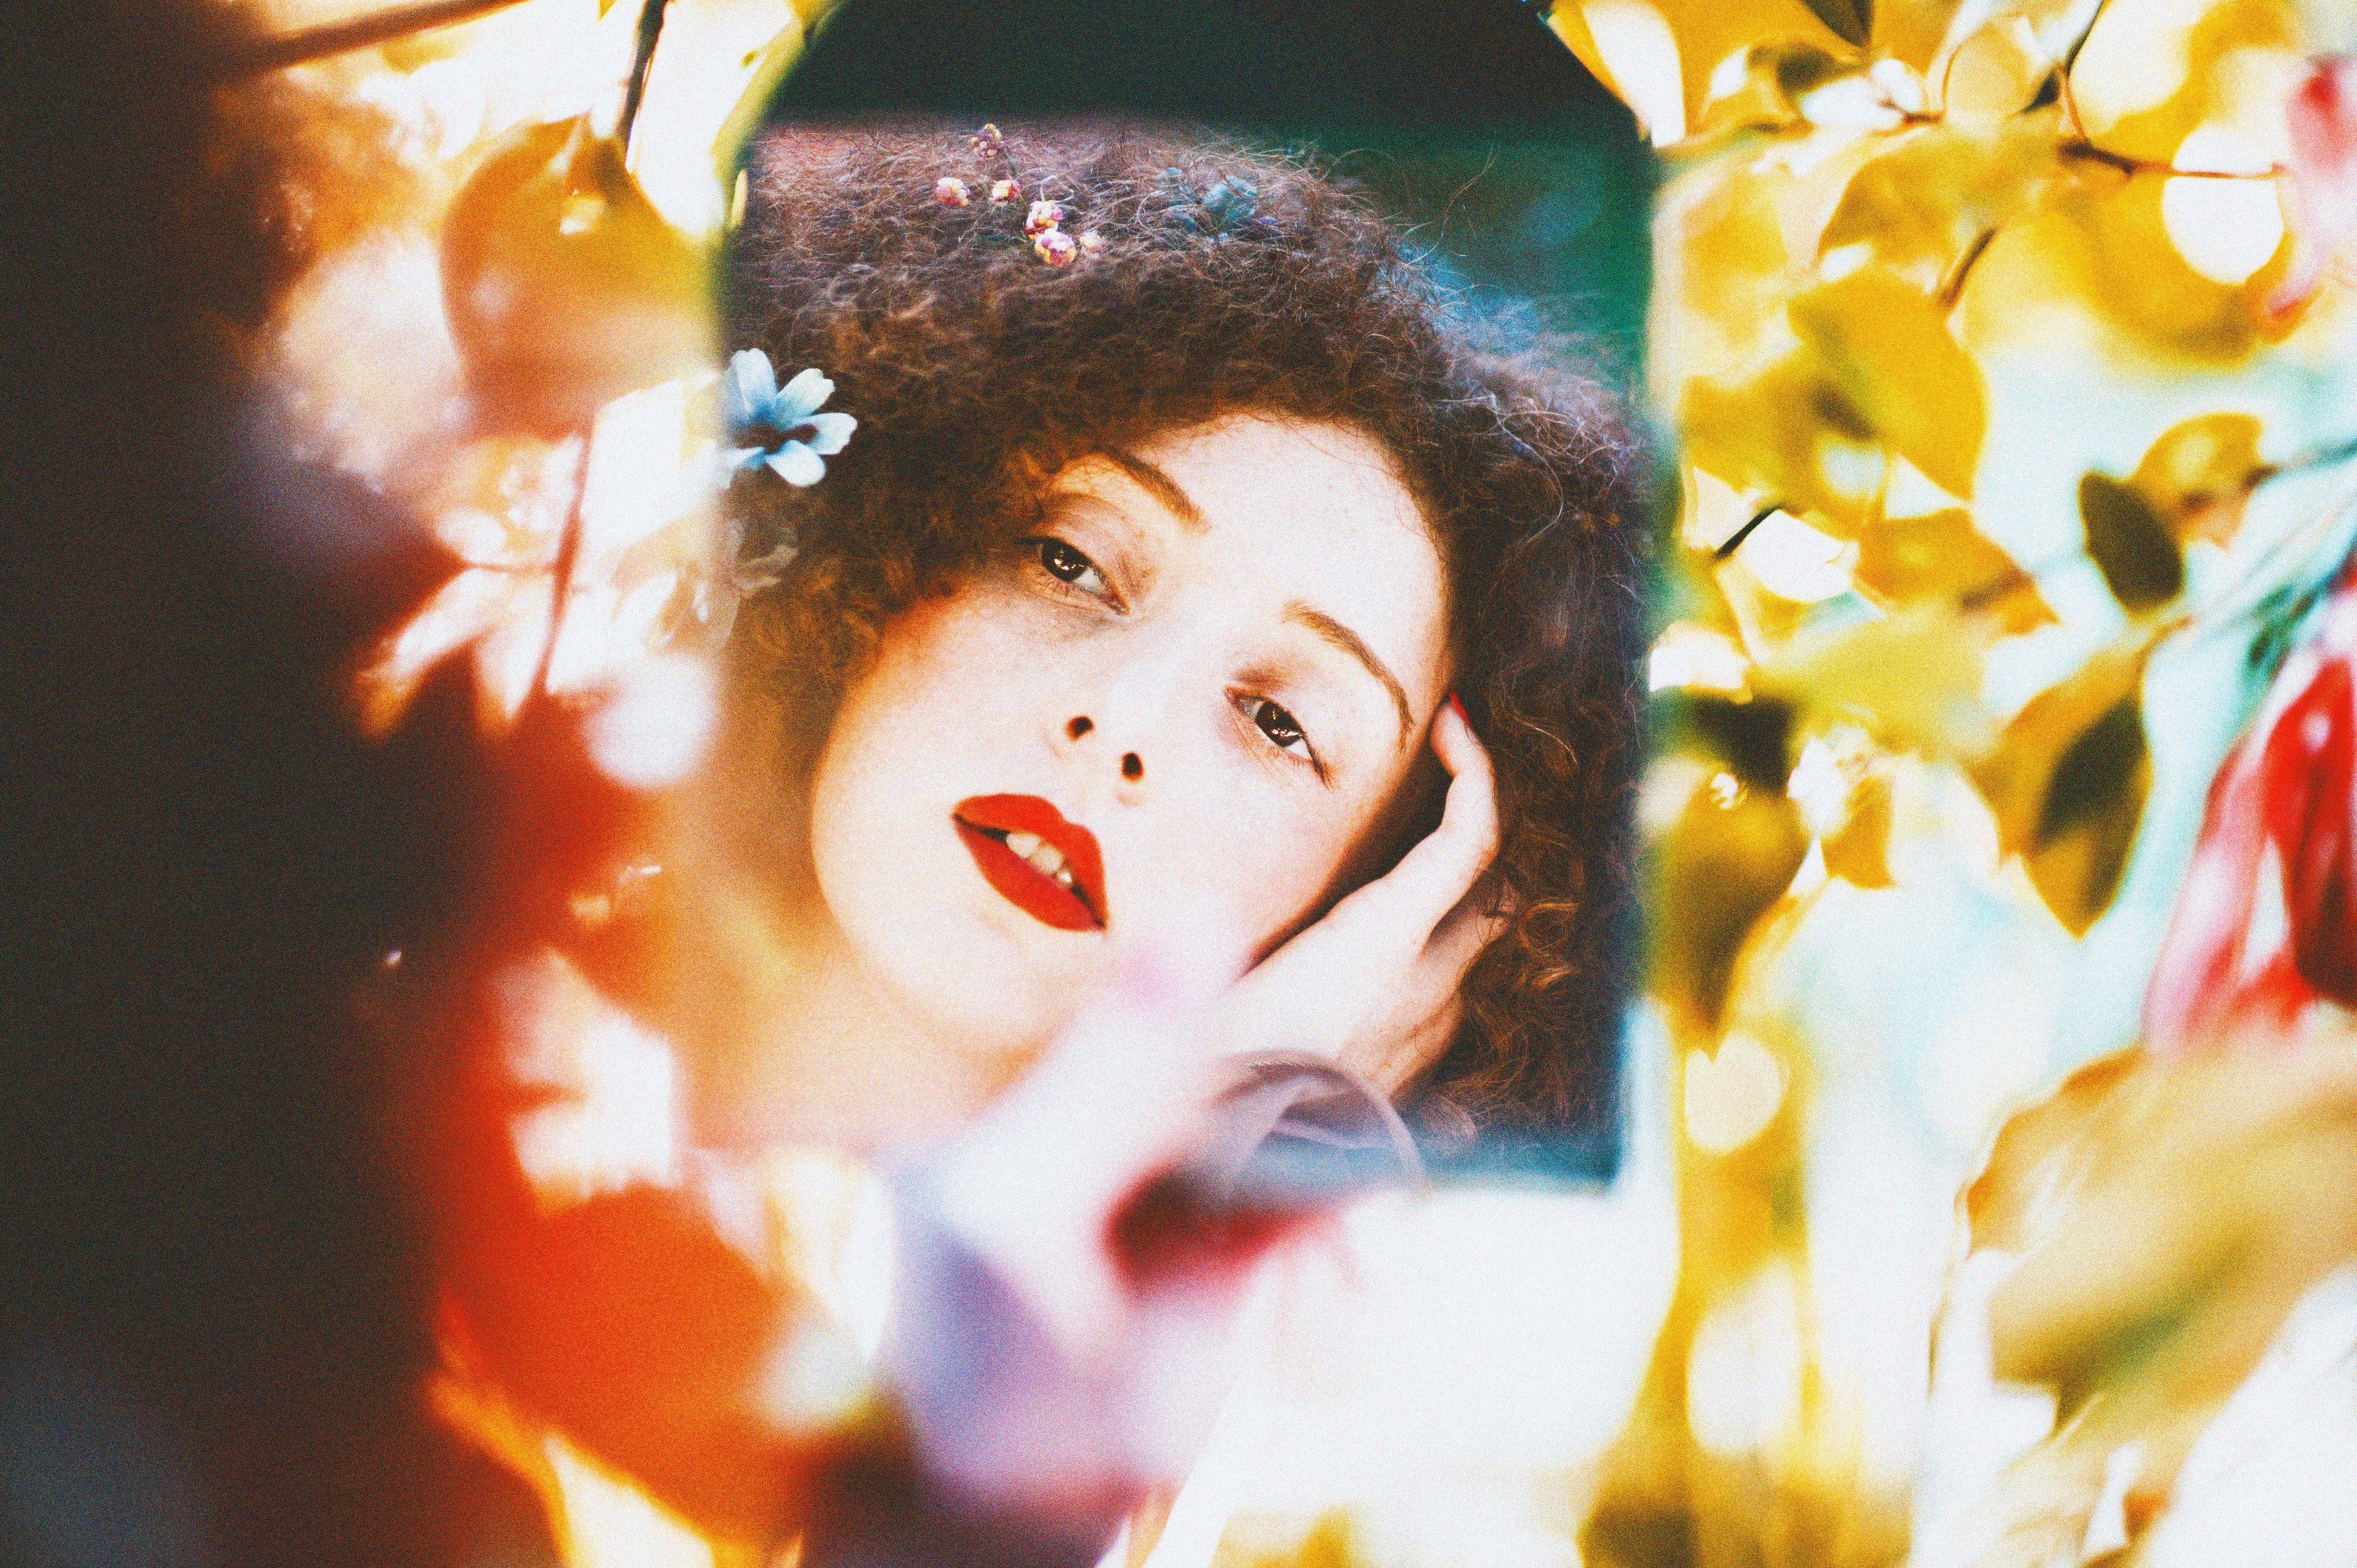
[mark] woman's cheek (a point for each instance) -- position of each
(1276, 853)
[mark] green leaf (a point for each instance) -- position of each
(2137, 552)
(1751, 739)
(1853, 20)
(2088, 821)
(2067, 782)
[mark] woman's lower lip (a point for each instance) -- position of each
(1024, 886)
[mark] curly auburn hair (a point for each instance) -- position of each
(978, 371)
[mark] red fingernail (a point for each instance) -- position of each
(1460, 709)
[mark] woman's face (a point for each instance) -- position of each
(1197, 688)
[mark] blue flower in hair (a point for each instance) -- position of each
(782, 427)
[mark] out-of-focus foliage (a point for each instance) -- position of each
(1983, 330)
(520, 348)
(2169, 1215)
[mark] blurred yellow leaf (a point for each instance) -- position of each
(761, 79)
(2141, 279)
(563, 286)
(1888, 349)
(1701, 34)
(1911, 31)
(1907, 560)
(1731, 1096)
(2000, 67)
(2138, 555)
(1330, 1542)
(1921, 206)
(1776, 77)
(2067, 782)
(1787, 433)
(2168, 1214)
(1570, 23)
(2200, 474)
(1724, 268)
(2150, 75)
(1795, 562)
(1910, 680)
(1688, 656)
(1858, 850)
(2170, 1211)
(1746, 739)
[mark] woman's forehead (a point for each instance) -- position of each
(1294, 513)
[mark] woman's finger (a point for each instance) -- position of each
(1479, 919)
(1434, 875)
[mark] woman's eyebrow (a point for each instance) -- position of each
(1158, 485)
(1334, 633)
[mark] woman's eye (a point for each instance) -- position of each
(1282, 728)
(1067, 564)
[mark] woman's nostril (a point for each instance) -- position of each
(1132, 766)
(1078, 726)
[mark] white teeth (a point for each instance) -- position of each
(1064, 875)
(1047, 859)
(1023, 843)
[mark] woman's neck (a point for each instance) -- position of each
(872, 1073)
(788, 1037)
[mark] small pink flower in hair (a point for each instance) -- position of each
(951, 191)
(1003, 191)
(987, 141)
(1092, 242)
(1055, 247)
(1043, 215)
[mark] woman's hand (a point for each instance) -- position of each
(1375, 983)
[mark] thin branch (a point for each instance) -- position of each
(1952, 288)
(364, 32)
(2088, 152)
(650, 22)
(1983, 593)
(1734, 541)
(2070, 55)
(569, 554)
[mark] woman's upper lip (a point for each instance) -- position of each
(1030, 814)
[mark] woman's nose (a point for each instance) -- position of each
(1128, 710)
(1133, 765)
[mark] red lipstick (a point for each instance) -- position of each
(986, 822)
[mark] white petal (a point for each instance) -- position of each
(830, 432)
(804, 395)
(797, 464)
(752, 385)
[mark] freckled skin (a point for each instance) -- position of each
(1231, 759)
